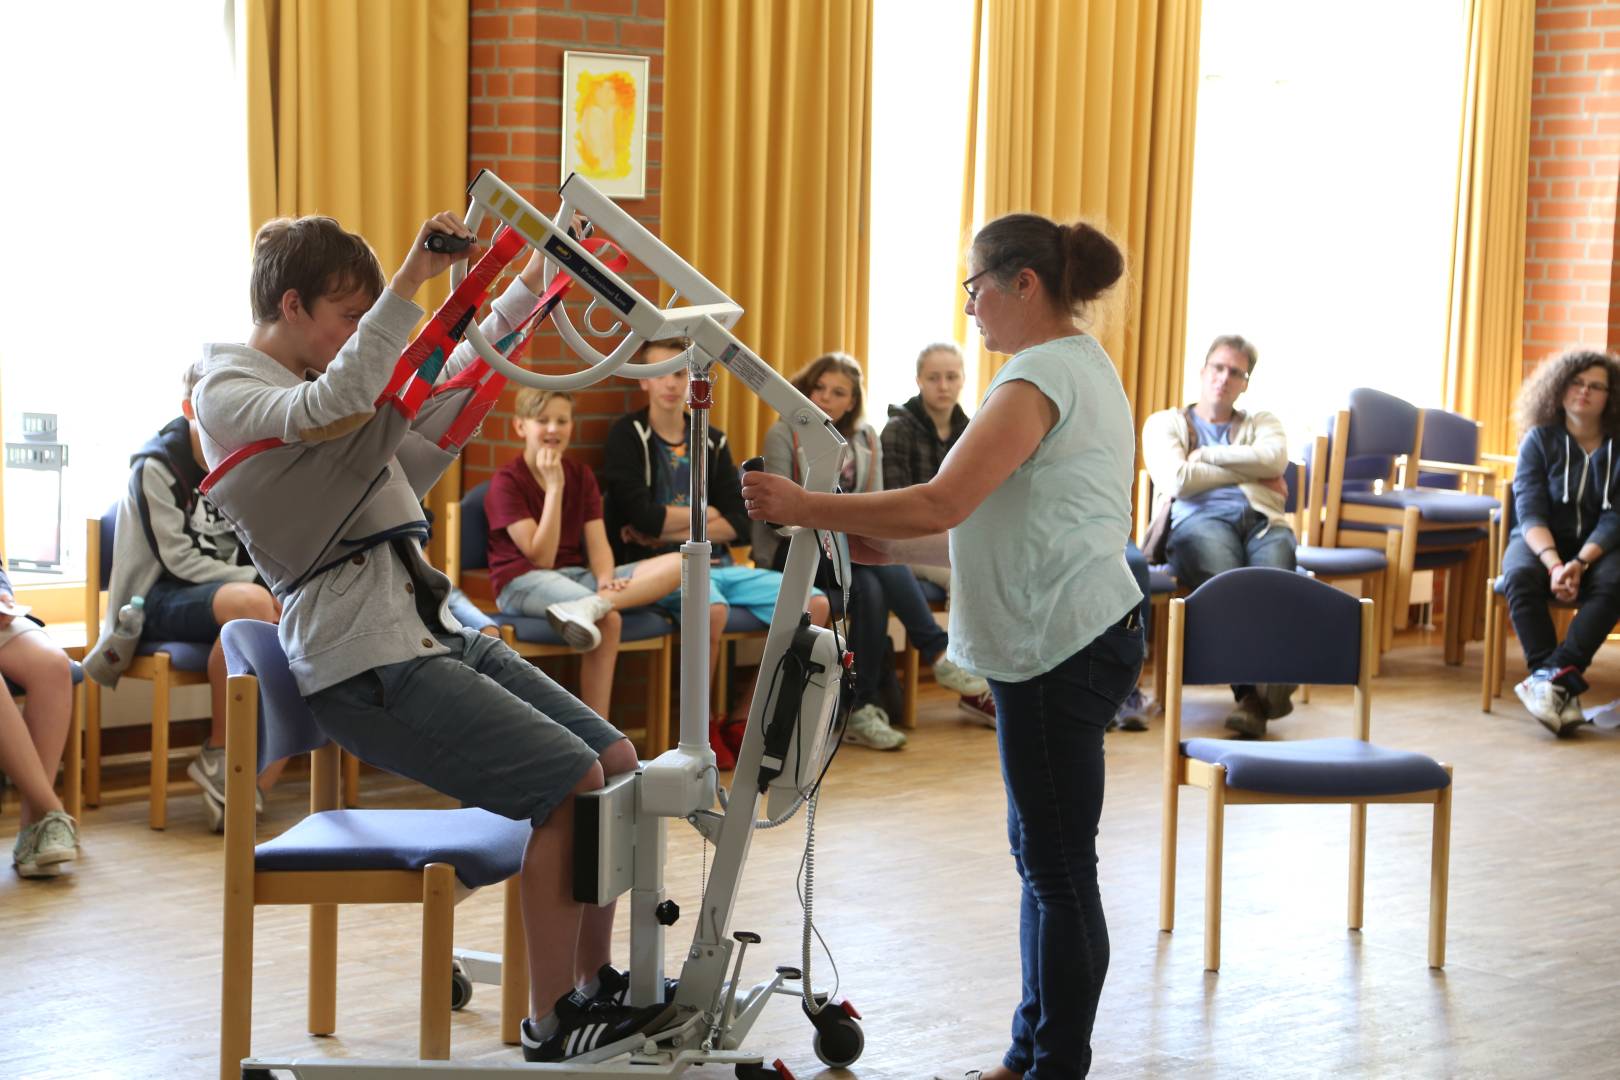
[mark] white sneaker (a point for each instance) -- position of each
(1545, 700)
(958, 681)
(576, 621)
(870, 727)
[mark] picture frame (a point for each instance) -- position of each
(604, 121)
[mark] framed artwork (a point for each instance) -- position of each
(604, 121)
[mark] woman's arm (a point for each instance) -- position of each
(1001, 437)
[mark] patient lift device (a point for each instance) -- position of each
(794, 720)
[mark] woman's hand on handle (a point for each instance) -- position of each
(768, 497)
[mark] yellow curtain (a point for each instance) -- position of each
(767, 178)
(1090, 112)
(1485, 317)
(358, 109)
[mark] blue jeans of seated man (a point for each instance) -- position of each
(874, 592)
(1529, 589)
(1050, 730)
(1225, 538)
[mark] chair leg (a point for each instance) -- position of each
(911, 665)
(514, 964)
(351, 780)
(1487, 675)
(73, 765)
(1439, 874)
(1403, 579)
(92, 742)
(1304, 693)
(157, 815)
(1167, 856)
(1358, 862)
(236, 970)
(438, 932)
(1502, 624)
(721, 675)
(1212, 870)
(1161, 646)
(1455, 615)
(323, 923)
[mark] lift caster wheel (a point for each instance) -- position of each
(839, 1045)
(461, 987)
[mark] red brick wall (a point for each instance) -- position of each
(515, 128)
(1572, 287)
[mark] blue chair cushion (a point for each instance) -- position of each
(1440, 506)
(1326, 560)
(1431, 538)
(743, 621)
(640, 624)
(1160, 581)
(933, 593)
(1335, 768)
(483, 847)
(183, 655)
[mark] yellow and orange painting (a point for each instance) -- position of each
(604, 120)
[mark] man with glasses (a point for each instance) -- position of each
(1222, 469)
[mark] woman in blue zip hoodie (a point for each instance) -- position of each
(1567, 497)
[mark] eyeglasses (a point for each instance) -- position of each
(1594, 387)
(967, 286)
(1230, 372)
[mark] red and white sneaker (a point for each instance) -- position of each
(980, 708)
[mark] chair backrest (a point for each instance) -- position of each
(474, 529)
(286, 726)
(1449, 437)
(109, 533)
(1381, 424)
(1259, 624)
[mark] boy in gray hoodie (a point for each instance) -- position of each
(323, 432)
(172, 547)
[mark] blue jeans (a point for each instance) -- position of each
(876, 591)
(1051, 734)
(1225, 538)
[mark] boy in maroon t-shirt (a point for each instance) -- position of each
(548, 548)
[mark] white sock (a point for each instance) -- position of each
(590, 986)
(545, 1027)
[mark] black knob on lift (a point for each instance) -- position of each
(667, 912)
(746, 935)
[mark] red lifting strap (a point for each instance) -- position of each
(443, 331)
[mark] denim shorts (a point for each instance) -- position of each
(176, 611)
(480, 724)
(532, 592)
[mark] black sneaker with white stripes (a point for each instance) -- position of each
(613, 986)
(586, 1024)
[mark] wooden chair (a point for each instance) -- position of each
(645, 630)
(428, 857)
(167, 665)
(1439, 530)
(911, 659)
(1369, 566)
(72, 765)
(1497, 623)
(1263, 625)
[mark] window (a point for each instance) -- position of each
(920, 68)
(129, 246)
(1324, 183)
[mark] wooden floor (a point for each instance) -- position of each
(113, 971)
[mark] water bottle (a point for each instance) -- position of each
(119, 646)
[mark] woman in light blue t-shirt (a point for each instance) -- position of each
(1035, 499)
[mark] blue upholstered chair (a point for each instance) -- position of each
(1449, 457)
(1262, 625)
(1368, 566)
(645, 630)
(333, 856)
(1438, 529)
(165, 664)
(72, 771)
